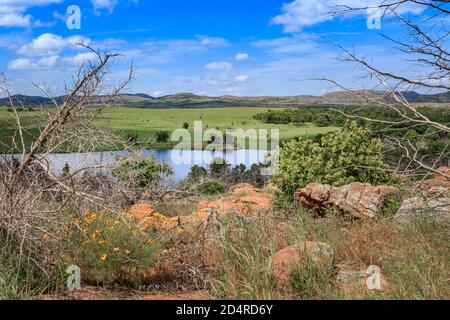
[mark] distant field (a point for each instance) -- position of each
(146, 122)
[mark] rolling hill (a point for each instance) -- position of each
(189, 100)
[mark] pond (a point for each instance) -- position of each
(171, 157)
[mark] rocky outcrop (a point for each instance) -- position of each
(419, 206)
(284, 261)
(434, 199)
(146, 216)
(360, 200)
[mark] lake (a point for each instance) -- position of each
(181, 162)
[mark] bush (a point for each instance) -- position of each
(140, 171)
(162, 136)
(211, 187)
(110, 249)
(345, 156)
(185, 125)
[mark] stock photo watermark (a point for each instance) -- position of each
(219, 142)
(374, 280)
(74, 279)
(73, 17)
(374, 16)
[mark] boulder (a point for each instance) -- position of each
(357, 199)
(420, 206)
(284, 261)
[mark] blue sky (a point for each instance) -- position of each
(215, 47)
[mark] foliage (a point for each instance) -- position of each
(317, 115)
(222, 171)
(140, 171)
(346, 156)
(211, 187)
(110, 249)
(162, 136)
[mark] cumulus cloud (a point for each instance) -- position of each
(12, 12)
(303, 13)
(219, 66)
(81, 58)
(26, 64)
(15, 20)
(50, 44)
(241, 57)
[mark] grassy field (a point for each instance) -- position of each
(146, 122)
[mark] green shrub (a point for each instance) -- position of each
(162, 136)
(211, 187)
(345, 156)
(140, 171)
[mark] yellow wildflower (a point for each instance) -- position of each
(116, 249)
(104, 257)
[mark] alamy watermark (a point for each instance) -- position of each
(374, 280)
(374, 16)
(74, 279)
(73, 17)
(220, 143)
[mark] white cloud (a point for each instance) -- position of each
(15, 20)
(12, 11)
(219, 66)
(26, 64)
(50, 44)
(104, 4)
(157, 94)
(241, 78)
(81, 58)
(241, 57)
(107, 5)
(304, 13)
(212, 41)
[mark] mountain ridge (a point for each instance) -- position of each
(190, 100)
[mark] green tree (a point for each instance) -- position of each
(140, 171)
(162, 136)
(345, 156)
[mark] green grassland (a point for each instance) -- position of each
(146, 122)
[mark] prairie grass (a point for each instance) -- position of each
(414, 258)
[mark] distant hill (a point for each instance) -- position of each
(189, 100)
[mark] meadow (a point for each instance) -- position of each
(145, 123)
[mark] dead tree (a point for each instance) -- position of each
(32, 196)
(425, 44)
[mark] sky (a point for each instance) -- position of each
(214, 47)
